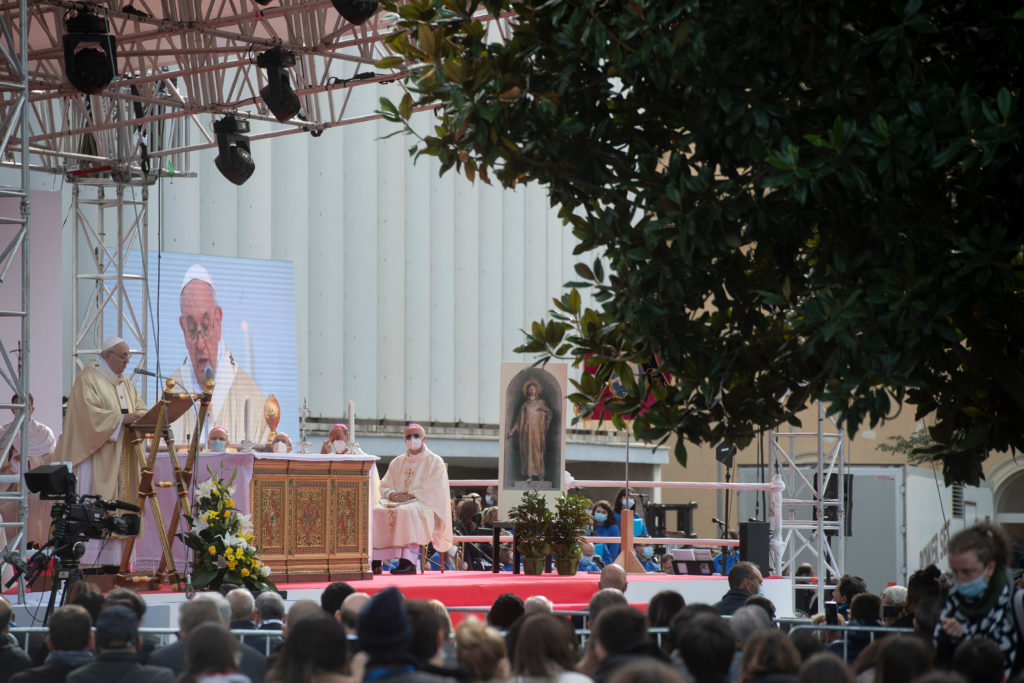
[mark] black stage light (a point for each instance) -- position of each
(90, 53)
(277, 94)
(355, 11)
(235, 158)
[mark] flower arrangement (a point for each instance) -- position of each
(222, 540)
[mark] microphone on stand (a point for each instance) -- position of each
(717, 521)
(208, 373)
(147, 373)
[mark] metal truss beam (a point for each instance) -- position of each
(807, 503)
(14, 238)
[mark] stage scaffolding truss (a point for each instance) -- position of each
(812, 466)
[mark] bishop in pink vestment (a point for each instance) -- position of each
(414, 507)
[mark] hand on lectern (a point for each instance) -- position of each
(131, 418)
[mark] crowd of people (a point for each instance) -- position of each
(965, 627)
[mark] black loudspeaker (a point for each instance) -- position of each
(754, 544)
(831, 513)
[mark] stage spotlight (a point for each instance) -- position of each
(277, 94)
(234, 160)
(90, 53)
(355, 11)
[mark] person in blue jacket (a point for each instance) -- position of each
(629, 501)
(645, 553)
(605, 525)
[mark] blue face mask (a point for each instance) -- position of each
(973, 589)
(648, 551)
(760, 590)
(217, 445)
(600, 517)
(628, 502)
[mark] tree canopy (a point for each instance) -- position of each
(775, 202)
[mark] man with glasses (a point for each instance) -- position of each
(102, 405)
(208, 358)
(414, 507)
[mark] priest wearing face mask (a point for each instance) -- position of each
(337, 441)
(218, 441)
(414, 507)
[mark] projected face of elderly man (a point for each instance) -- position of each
(200, 323)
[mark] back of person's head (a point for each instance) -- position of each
(894, 595)
(613, 576)
(201, 609)
(130, 598)
(682, 618)
(546, 646)
(603, 599)
(646, 670)
(740, 572)
(768, 651)
(662, 607)
(299, 610)
(850, 585)
(807, 643)
(805, 569)
(825, 667)
(924, 583)
(939, 676)
(334, 595)
(69, 628)
(383, 625)
(269, 605)
(987, 540)
(764, 603)
(316, 644)
(79, 588)
(927, 613)
(242, 604)
(92, 601)
(506, 608)
(866, 607)
(707, 645)
(426, 630)
(211, 649)
(902, 658)
(979, 660)
(746, 620)
(442, 614)
(538, 604)
(481, 650)
(116, 629)
(5, 614)
(619, 630)
(350, 608)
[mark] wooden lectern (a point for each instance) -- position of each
(155, 425)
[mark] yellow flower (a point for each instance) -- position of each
(212, 549)
(245, 572)
(231, 565)
(229, 553)
(230, 502)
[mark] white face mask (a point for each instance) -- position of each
(218, 445)
(490, 500)
(415, 443)
(280, 447)
(340, 445)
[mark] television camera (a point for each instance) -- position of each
(76, 520)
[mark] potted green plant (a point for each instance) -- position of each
(572, 519)
(532, 524)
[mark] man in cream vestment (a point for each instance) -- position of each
(414, 507)
(41, 444)
(209, 358)
(102, 406)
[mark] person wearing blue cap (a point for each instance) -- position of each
(117, 644)
(385, 634)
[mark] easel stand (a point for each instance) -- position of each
(155, 425)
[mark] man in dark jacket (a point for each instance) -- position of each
(12, 658)
(270, 617)
(620, 638)
(117, 643)
(70, 645)
(386, 635)
(744, 580)
(865, 610)
(201, 609)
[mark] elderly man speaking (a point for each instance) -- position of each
(414, 507)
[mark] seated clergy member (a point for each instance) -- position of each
(281, 443)
(414, 507)
(337, 441)
(218, 441)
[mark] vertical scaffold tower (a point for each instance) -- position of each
(812, 465)
(14, 238)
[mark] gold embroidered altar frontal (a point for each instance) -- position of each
(311, 518)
